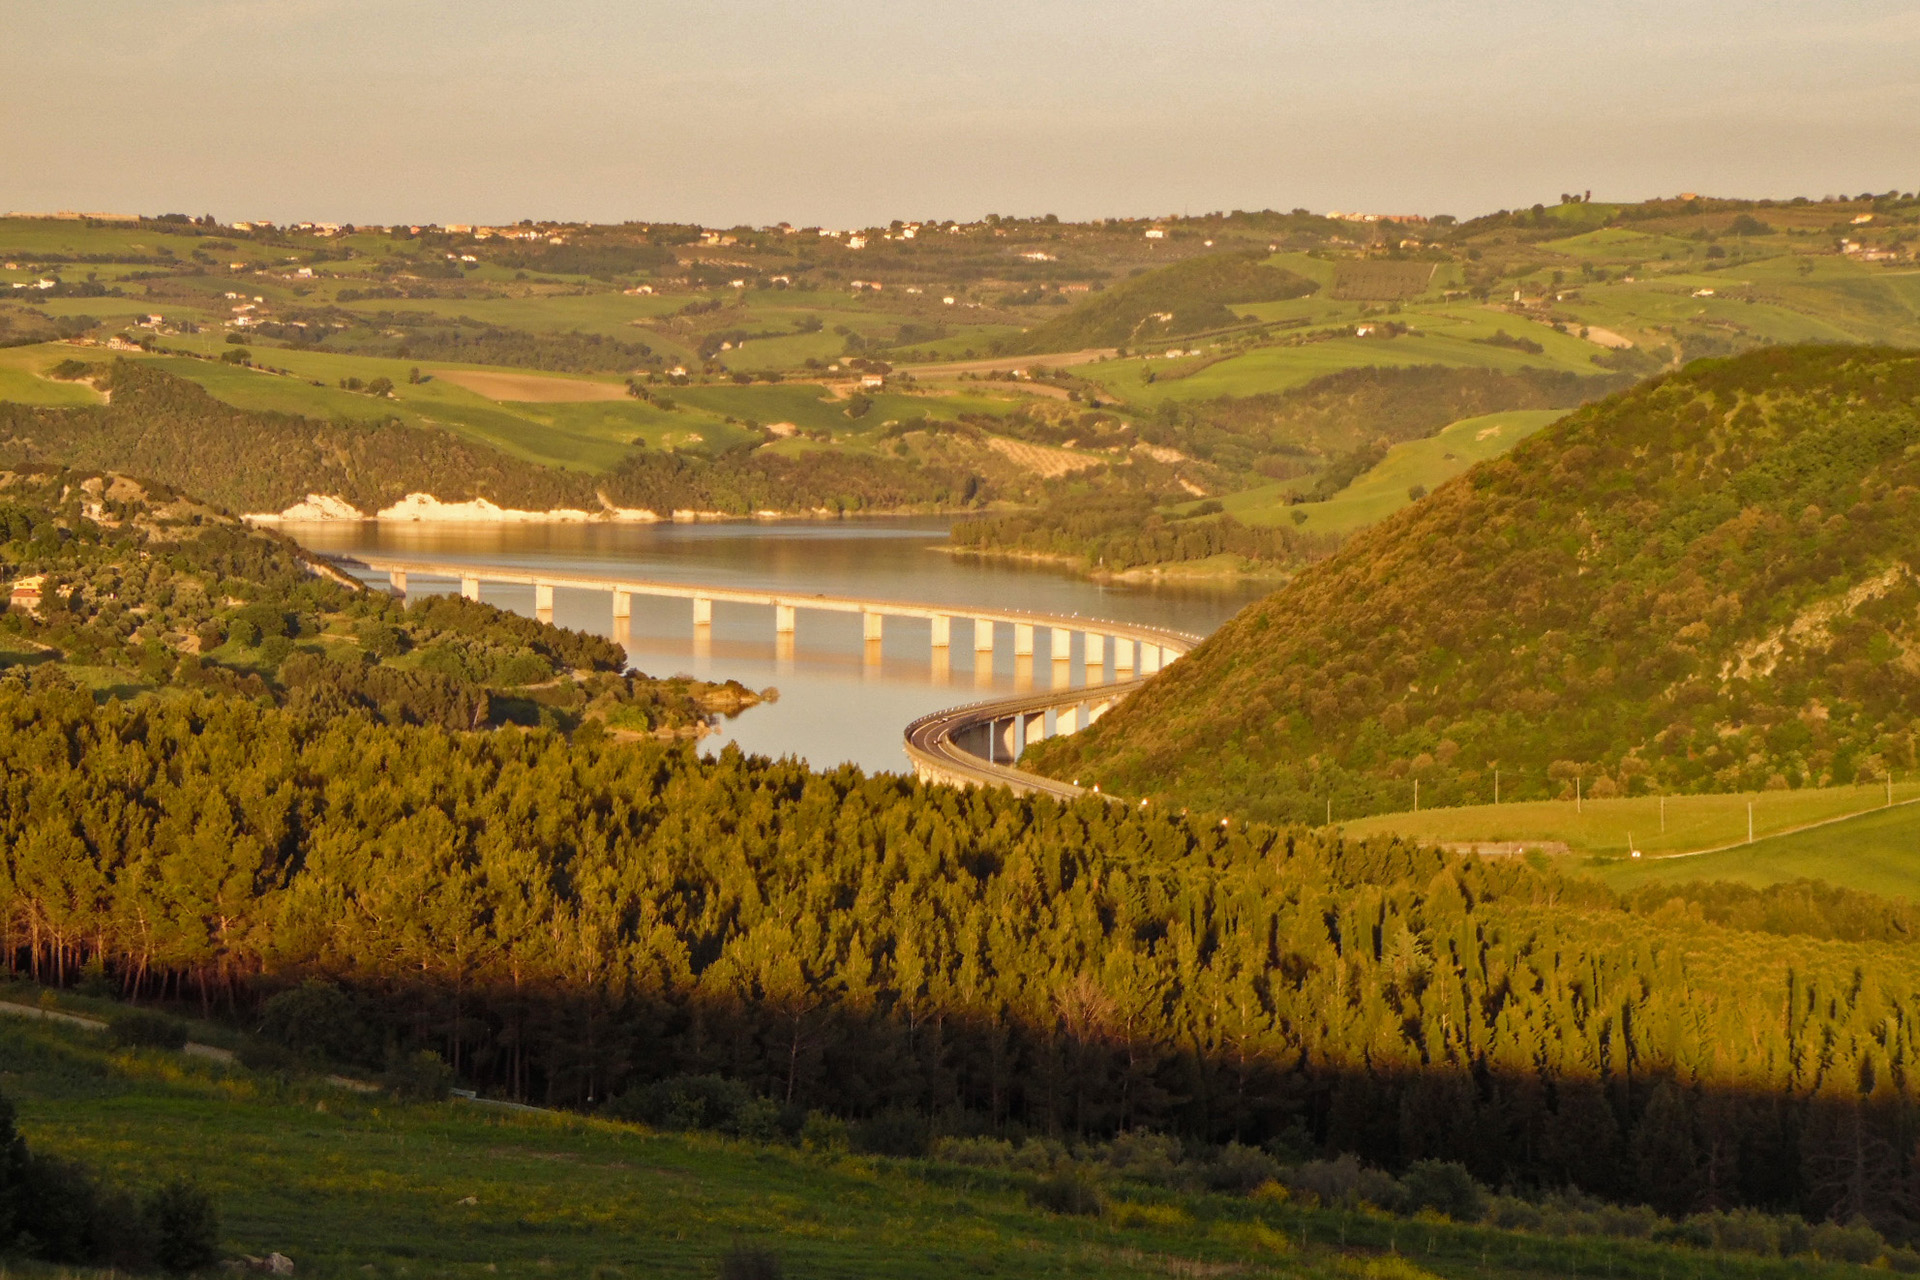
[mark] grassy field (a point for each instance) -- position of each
(1446, 338)
(1691, 823)
(1878, 851)
(22, 379)
(1384, 490)
(352, 1185)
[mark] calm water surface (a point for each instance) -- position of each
(840, 699)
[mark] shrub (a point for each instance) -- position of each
(758, 1120)
(423, 1076)
(1146, 1156)
(743, 1263)
(1240, 1169)
(185, 1227)
(1855, 1242)
(822, 1132)
(685, 1102)
(1066, 1193)
(1444, 1187)
(143, 1028)
(316, 1019)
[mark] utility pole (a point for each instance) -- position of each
(1749, 822)
(1416, 795)
(1496, 786)
(1329, 810)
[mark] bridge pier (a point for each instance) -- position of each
(470, 586)
(872, 625)
(1149, 659)
(1122, 654)
(1066, 720)
(783, 619)
(623, 604)
(702, 612)
(1033, 728)
(942, 631)
(1060, 644)
(1006, 742)
(397, 581)
(1096, 649)
(1022, 640)
(542, 598)
(982, 635)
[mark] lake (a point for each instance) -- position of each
(840, 700)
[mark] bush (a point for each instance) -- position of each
(1855, 1242)
(1240, 1169)
(1142, 1155)
(758, 1120)
(423, 1076)
(743, 1263)
(822, 1132)
(185, 1227)
(316, 1020)
(683, 1102)
(1066, 1193)
(145, 1029)
(1444, 1187)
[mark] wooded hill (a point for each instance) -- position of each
(135, 590)
(1704, 583)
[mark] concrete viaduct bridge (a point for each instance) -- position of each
(971, 745)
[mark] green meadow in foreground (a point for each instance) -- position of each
(352, 1184)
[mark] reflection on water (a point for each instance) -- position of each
(842, 696)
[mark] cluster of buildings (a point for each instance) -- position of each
(1410, 219)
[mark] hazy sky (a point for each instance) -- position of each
(856, 111)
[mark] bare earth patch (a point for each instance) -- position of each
(531, 387)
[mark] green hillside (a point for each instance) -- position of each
(1187, 297)
(1703, 584)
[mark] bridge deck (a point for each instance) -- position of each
(930, 741)
(1178, 641)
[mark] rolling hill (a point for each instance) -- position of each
(1701, 584)
(1187, 297)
